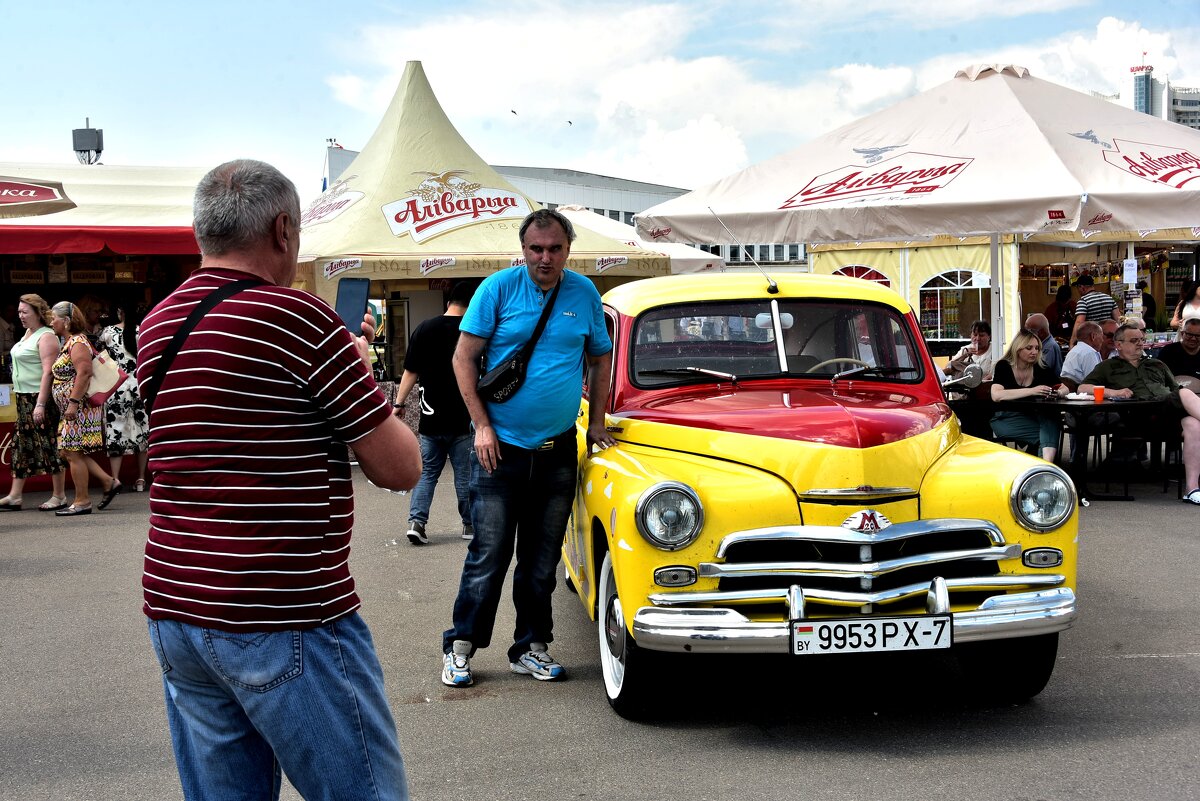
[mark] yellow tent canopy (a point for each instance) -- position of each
(419, 203)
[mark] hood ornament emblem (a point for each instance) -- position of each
(866, 521)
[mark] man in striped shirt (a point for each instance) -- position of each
(1093, 306)
(252, 610)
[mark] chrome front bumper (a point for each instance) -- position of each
(697, 630)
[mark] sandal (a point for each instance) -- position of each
(74, 510)
(52, 504)
(139, 485)
(112, 492)
(1192, 497)
(7, 505)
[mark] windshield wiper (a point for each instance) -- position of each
(872, 371)
(730, 377)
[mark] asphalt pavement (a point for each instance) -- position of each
(81, 713)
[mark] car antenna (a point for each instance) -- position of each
(772, 287)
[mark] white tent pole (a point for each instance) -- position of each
(999, 323)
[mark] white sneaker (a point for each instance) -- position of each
(456, 665)
(468, 532)
(539, 664)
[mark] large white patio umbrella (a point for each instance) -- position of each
(992, 151)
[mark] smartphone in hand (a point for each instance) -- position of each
(351, 303)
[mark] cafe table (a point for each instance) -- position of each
(1083, 411)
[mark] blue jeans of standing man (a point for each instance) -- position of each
(434, 450)
(522, 506)
(241, 706)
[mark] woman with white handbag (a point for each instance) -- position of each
(81, 428)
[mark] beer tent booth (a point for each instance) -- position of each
(72, 230)
(993, 151)
(418, 209)
(684, 258)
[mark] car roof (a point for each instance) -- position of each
(635, 297)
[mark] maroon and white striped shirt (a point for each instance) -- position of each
(251, 507)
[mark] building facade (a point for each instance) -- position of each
(1162, 99)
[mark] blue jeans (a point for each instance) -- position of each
(434, 450)
(524, 505)
(242, 706)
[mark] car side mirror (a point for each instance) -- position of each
(972, 377)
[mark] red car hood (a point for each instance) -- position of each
(862, 418)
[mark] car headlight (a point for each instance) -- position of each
(669, 515)
(1042, 499)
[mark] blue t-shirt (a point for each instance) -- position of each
(505, 310)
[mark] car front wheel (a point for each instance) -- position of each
(626, 667)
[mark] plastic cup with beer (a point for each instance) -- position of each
(1098, 393)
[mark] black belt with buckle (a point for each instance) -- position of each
(565, 437)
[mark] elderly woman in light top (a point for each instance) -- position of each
(35, 436)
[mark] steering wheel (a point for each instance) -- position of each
(847, 360)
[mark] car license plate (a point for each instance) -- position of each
(859, 635)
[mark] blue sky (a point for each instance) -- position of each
(677, 93)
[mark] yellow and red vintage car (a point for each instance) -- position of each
(789, 478)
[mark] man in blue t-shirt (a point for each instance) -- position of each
(523, 480)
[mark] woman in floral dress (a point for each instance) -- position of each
(125, 421)
(81, 427)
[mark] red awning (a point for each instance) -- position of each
(127, 240)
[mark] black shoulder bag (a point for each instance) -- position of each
(502, 381)
(150, 388)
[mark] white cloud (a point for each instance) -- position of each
(645, 101)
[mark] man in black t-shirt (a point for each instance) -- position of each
(445, 426)
(1183, 357)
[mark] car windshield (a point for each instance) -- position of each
(728, 341)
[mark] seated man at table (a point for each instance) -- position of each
(1183, 357)
(1051, 353)
(1083, 357)
(1109, 349)
(1132, 375)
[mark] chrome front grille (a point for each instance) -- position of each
(842, 567)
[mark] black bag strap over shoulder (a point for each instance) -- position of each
(150, 389)
(527, 351)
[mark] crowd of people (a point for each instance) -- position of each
(1106, 351)
(57, 428)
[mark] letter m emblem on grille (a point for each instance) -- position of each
(866, 521)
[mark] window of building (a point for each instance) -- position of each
(614, 215)
(779, 253)
(950, 302)
(793, 253)
(735, 253)
(865, 273)
(629, 218)
(599, 211)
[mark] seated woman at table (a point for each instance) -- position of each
(977, 351)
(1021, 373)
